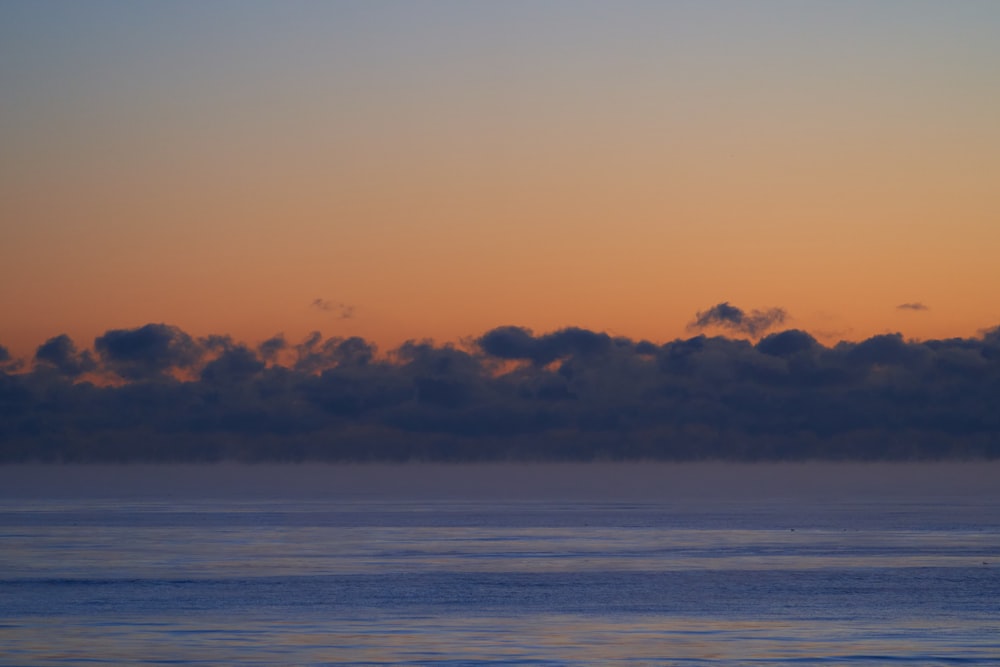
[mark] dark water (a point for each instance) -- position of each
(548, 565)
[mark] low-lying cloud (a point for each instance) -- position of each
(7, 362)
(156, 393)
(148, 352)
(61, 354)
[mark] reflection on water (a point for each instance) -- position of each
(550, 639)
(385, 579)
(116, 542)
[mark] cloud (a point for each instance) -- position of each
(7, 362)
(519, 343)
(60, 353)
(787, 343)
(272, 347)
(915, 305)
(509, 343)
(236, 364)
(580, 394)
(342, 310)
(885, 350)
(314, 354)
(150, 351)
(217, 343)
(730, 317)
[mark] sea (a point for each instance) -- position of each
(698, 564)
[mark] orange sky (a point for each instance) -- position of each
(444, 168)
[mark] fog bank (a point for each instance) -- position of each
(625, 482)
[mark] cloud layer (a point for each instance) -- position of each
(155, 393)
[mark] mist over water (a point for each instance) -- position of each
(580, 564)
(643, 481)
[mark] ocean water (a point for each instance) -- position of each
(503, 564)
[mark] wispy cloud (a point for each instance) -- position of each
(730, 317)
(342, 310)
(914, 305)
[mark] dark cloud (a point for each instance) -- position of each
(354, 351)
(150, 351)
(578, 394)
(7, 362)
(236, 364)
(509, 343)
(645, 347)
(61, 354)
(314, 354)
(885, 350)
(915, 305)
(272, 347)
(309, 343)
(787, 343)
(519, 343)
(217, 343)
(342, 310)
(730, 317)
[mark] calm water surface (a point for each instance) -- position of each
(468, 565)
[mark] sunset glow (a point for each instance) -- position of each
(444, 168)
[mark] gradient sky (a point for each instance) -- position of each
(435, 169)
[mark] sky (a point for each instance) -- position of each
(434, 170)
